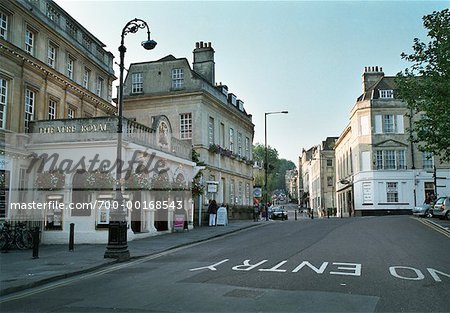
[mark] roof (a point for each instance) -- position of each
(384, 83)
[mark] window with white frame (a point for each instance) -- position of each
(71, 112)
(70, 63)
(388, 123)
(240, 193)
(3, 25)
(247, 193)
(387, 94)
(52, 109)
(99, 86)
(427, 160)
(390, 160)
(247, 148)
(239, 143)
(231, 139)
(211, 130)
(86, 78)
(186, 126)
(137, 83)
(177, 78)
(392, 192)
(51, 55)
(232, 199)
(3, 102)
(29, 41)
(30, 97)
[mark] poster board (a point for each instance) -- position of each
(222, 216)
(178, 222)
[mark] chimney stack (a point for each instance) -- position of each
(204, 61)
(371, 75)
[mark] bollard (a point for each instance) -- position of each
(36, 243)
(71, 236)
(295, 214)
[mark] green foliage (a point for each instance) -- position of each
(425, 86)
(276, 170)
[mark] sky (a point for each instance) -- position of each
(305, 57)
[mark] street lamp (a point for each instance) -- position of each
(117, 247)
(266, 165)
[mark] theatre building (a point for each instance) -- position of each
(58, 134)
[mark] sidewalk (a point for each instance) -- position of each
(19, 271)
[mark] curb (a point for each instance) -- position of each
(11, 290)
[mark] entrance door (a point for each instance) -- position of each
(136, 213)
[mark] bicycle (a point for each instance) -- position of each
(22, 237)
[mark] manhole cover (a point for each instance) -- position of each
(244, 293)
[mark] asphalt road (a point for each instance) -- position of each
(371, 264)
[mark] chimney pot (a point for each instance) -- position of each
(376, 69)
(197, 45)
(381, 69)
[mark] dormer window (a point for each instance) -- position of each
(387, 94)
(177, 78)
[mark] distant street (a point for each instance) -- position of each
(371, 264)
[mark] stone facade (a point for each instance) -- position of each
(379, 171)
(201, 113)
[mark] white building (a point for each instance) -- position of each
(379, 171)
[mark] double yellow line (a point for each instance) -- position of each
(433, 226)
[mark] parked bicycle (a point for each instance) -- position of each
(21, 237)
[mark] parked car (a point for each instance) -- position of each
(278, 213)
(423, 210)
(442, 208)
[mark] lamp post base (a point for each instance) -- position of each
(117, 247)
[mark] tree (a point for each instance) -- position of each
(425, 86)
(276, 169)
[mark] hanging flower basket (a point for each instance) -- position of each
(137, 182)
(53, 180)
(99, 180)
(197, 188)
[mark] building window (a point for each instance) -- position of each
(392, 192)
(427, 160)
(329, 162)
(71, 113)
(388, 123)
(232, 199)
(29, 41)
(4, 193)
(390, 159)
(70, 63)
(186, 126)
(137, 83)
(211, 130)
(3, 102)
(3, 25)
(386, 94)
(99, 86)
(177, 78)
(51, 56)
(30, 97)
(330, 181)
(239, 143)
(247, 193)
(231, 139)
(86, 78)
(52, 109)
(71, 29)
(247, 148)
(23, 184)
(240, 193)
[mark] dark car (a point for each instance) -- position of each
(278, 213)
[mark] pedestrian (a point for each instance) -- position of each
(212, 210)
(255, 212)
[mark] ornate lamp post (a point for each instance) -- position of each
(117, 247)
(266, 161)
